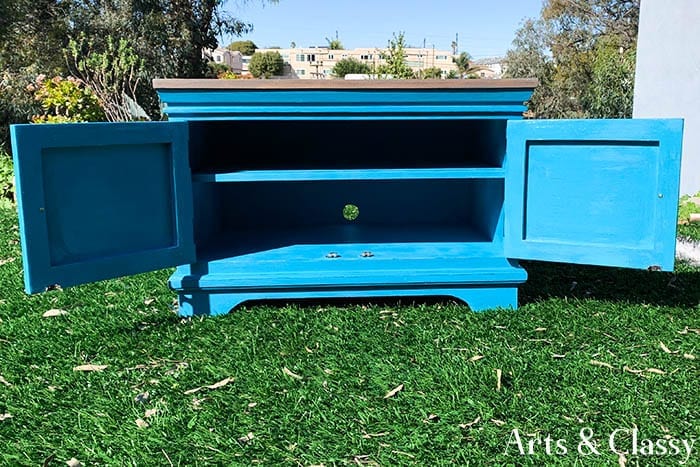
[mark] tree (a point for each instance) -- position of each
(529, 59)
(349, 66)
(244, 47)
(395, 59)
(266, 64)
(334, 44)
(33, 33)
(464, 65)
(611, 92)
(577, 33)
(582, 52)
(431, 73)
(168, 35)
(584, 21)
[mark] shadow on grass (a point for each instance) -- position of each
(565, 281)
(548, 280)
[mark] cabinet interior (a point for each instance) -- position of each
(241, 145)
(240, 218)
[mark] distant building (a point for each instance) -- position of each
(318, 62)
(490, 68)
(231, 58)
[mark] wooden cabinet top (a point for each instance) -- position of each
(260, 99)
(299, 84)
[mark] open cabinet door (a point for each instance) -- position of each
(101, 200)
(599, 192)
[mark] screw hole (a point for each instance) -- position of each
(351, 212)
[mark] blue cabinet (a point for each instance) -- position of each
(323, 189)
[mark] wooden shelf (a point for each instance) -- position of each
(359, 174)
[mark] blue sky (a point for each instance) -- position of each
(485, 28)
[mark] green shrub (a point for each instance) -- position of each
(17, 104)
(220, 71)
(7, 186)
(431, 73)
(266, 64)
(66, 100)
(215, 69)
(113, 72)
(686, 207)
(348, 66)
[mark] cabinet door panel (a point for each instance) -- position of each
(101, 200)
(599, 192)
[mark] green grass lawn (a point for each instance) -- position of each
(589, 348)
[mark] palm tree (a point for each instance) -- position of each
(335, 44)
(464, 65)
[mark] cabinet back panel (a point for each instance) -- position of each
(227, 146)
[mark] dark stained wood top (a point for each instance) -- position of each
(315, 84)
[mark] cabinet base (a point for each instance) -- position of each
(203, 303)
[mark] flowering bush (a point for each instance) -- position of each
(228, 74)
(65, 100)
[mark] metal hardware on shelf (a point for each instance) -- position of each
(367, 254)
(332, 254)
